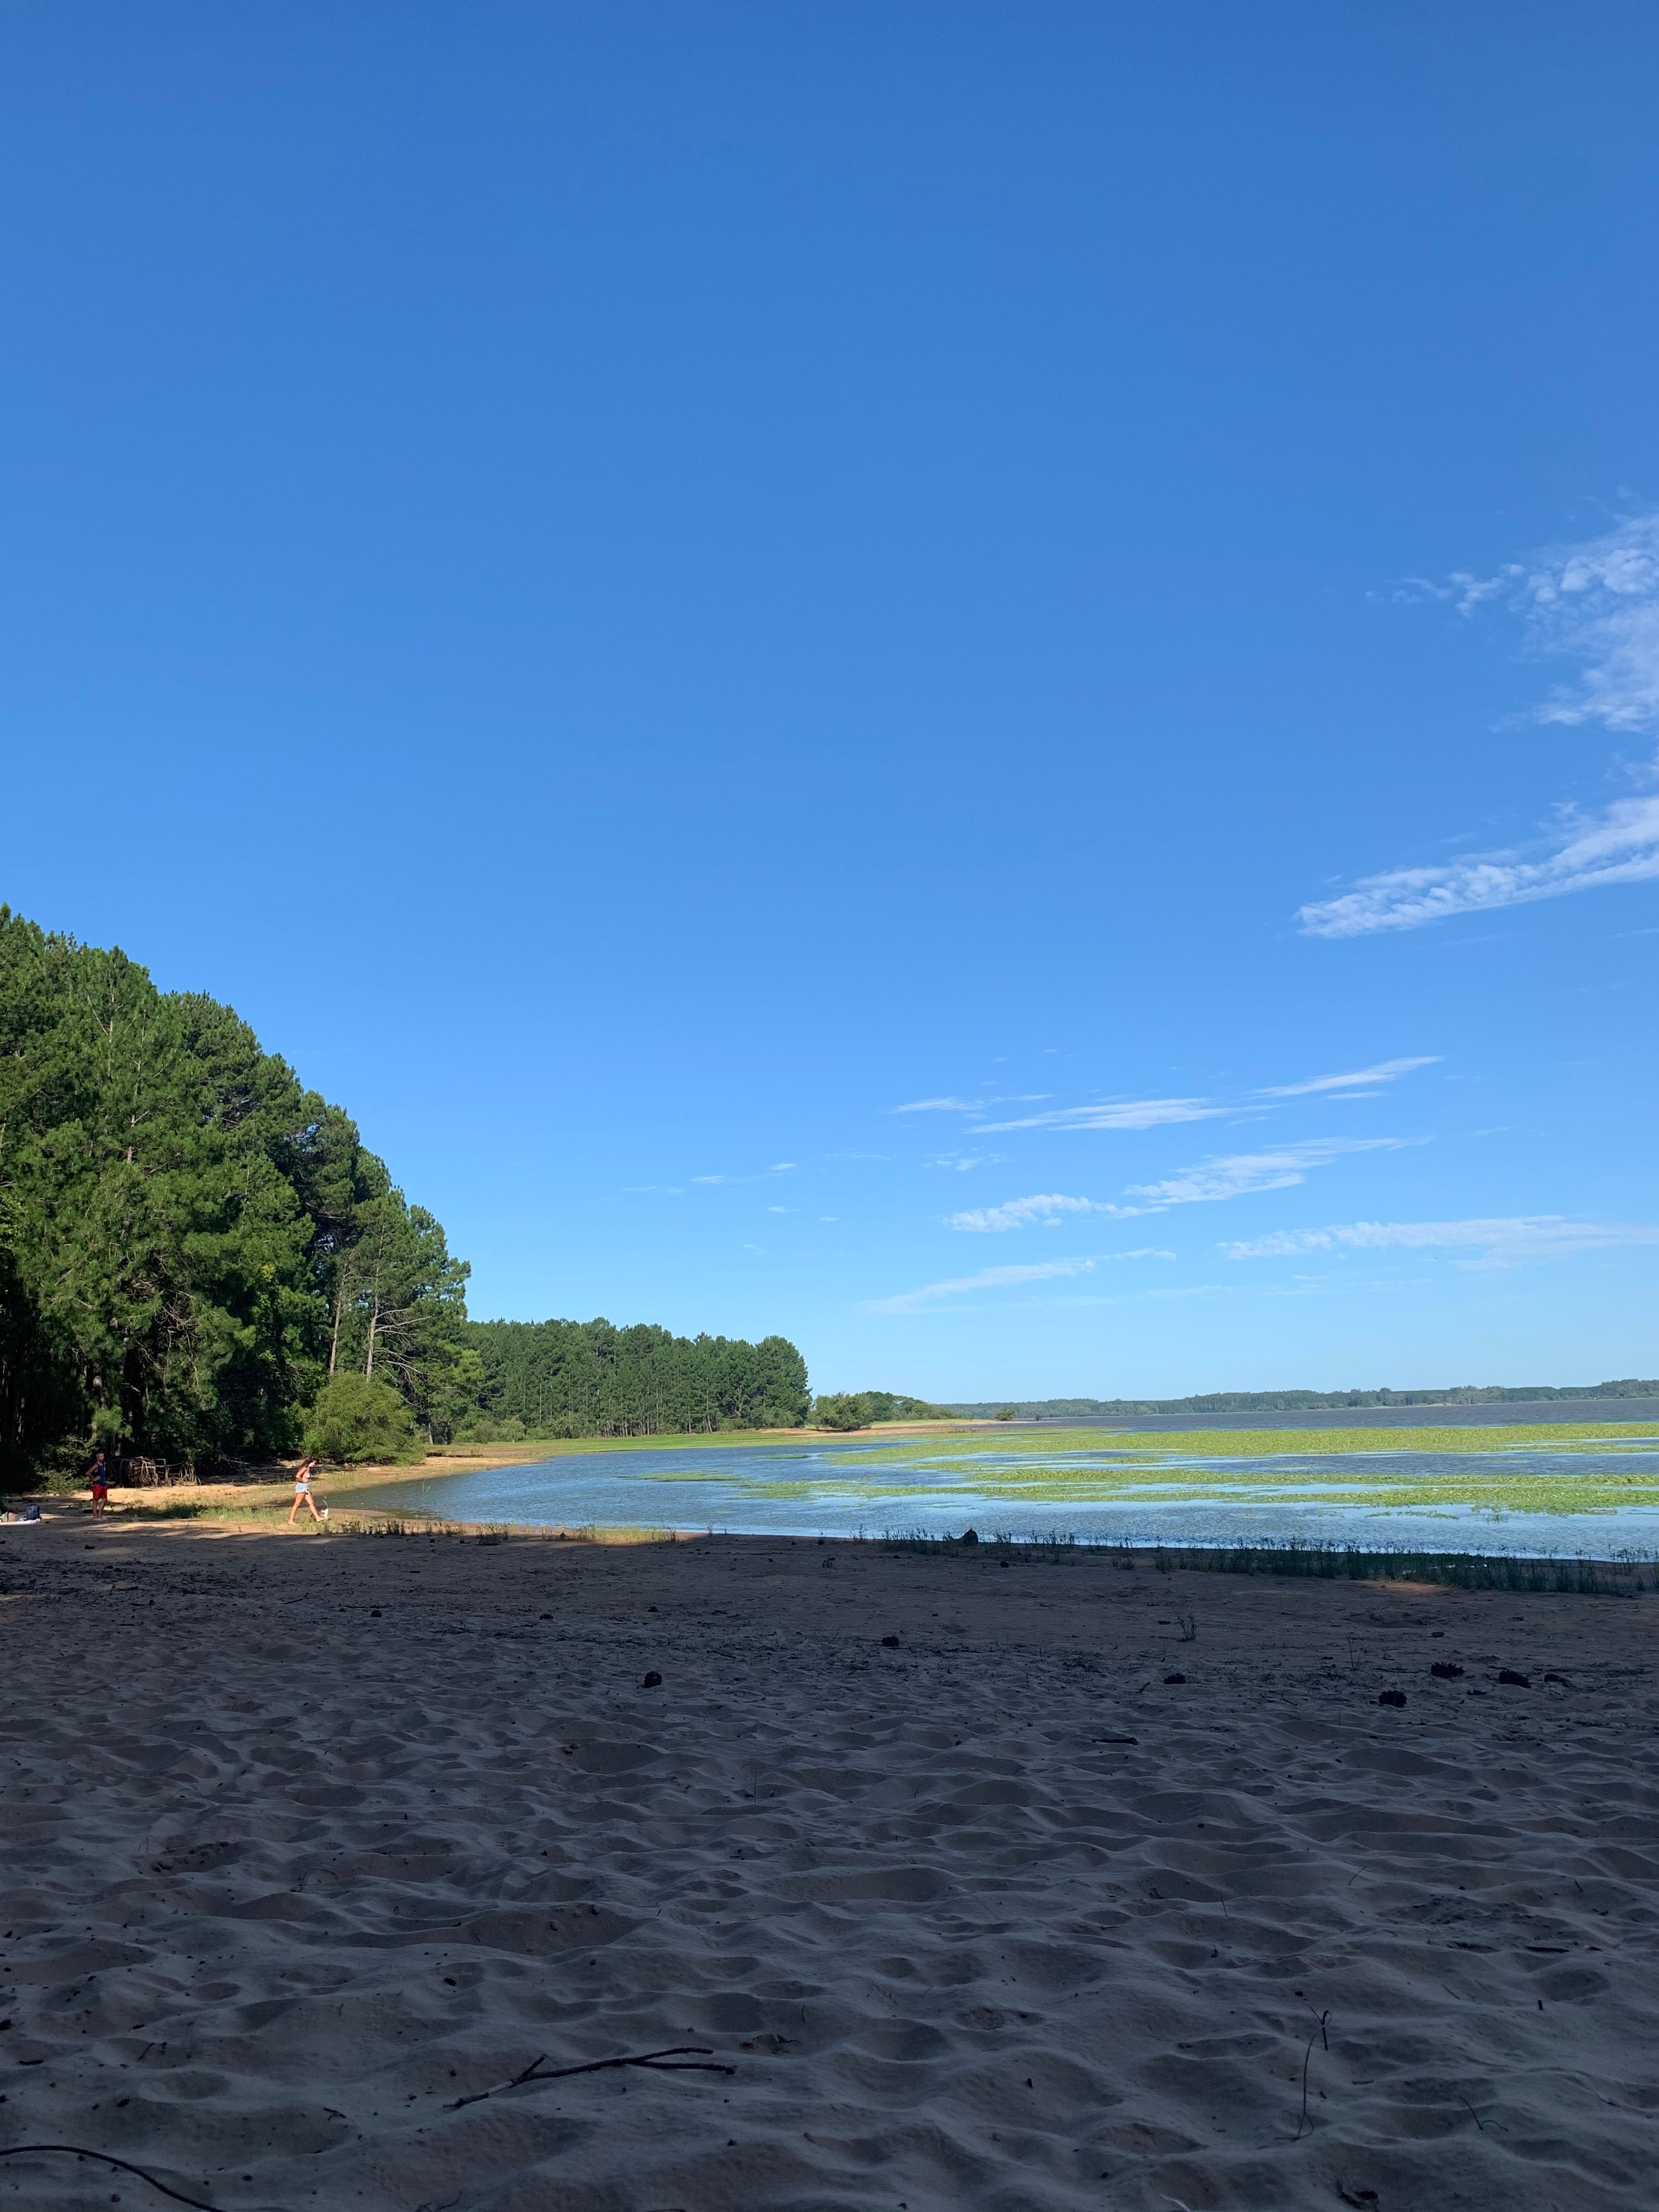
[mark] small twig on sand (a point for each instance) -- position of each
(1470, 2110)
(1321, 2017)
(1305, 2122)
(18, 2150)
(683, 2057)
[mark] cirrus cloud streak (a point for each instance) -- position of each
(1047, 1206)
(1236, 1175)
(1618, 846)
(1503, 1241)
(1122, 1114)
(1240, 1173)
(999, 1279)
(1386, 1071)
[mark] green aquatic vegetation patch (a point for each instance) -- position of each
(1491, 1489)
(1502, 1482)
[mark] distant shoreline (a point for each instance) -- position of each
(1247, 1405)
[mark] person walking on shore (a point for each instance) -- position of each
(99, 1478)
(302, 1492)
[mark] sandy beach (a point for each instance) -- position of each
(307, 1839)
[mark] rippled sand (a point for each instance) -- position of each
(304, 1839)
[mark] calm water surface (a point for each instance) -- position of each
(832, 1489)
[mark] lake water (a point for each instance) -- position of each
(872, 1486)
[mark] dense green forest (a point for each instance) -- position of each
(1286, 1402)
(587, 1378)
(191, 1244)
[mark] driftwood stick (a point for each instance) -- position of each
(1306, 2056)
(1319, 2033)
(18, 2150)
(679, 2058)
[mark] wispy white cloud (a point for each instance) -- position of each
(1386, 1071)
(1240, 1173)
(1002, 1279)
(656, 1189)
(1123, 1114)
(779, 1166)
(1596, 603)
(1620, 845)
(1599, 604)
(988, 1279)
(1020, 1213)
(1235, 1175)
(962, 1161)
(1512, 1241)
(1132, 1114)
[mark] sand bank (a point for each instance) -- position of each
(306, 1838)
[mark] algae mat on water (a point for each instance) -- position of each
(1556, 1468)
(1504, 1488)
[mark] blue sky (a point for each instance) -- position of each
(980, 683)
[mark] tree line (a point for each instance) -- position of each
(195, 1249)
(1291, 1402)
(570, 1378)
(589, 1378)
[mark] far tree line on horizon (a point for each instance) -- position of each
(1285, 1401)
(201, 1261)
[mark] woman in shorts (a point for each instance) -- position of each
(302, 1492)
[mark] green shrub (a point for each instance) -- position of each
(486, 1429)
(356, 1419)
(857, 1409)
(842, 1409)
